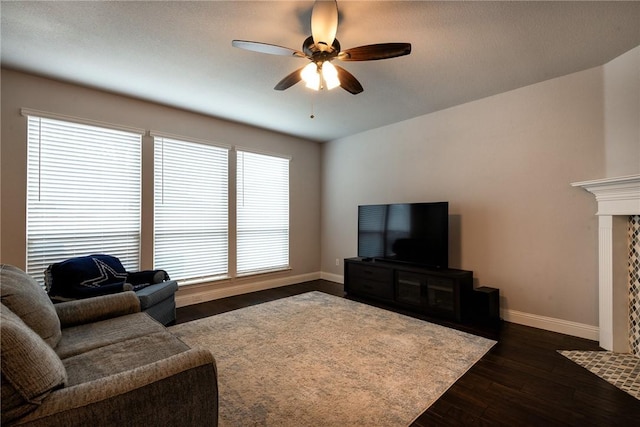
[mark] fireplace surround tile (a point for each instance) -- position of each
(634, 284)
(621, 370)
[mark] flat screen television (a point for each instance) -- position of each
(416, 233)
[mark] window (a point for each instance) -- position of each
(84, 197)
(191, 209)
(262, 213)
(83, 193)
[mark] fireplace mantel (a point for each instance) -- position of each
(615, 196)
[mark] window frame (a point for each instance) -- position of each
(159, 140)
(65, 138)
(262, 210)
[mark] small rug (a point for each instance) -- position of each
(621, 370)
(317, 359)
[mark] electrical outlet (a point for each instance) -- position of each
(337, 261)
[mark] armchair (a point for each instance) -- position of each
(95, 275)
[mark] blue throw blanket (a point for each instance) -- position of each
(86, 276)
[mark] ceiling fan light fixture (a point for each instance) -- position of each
(322, 47)
(311, 76)
(330, 75)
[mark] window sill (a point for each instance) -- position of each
(261, 272)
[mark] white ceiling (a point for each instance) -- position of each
(179, 53)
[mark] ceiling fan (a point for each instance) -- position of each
(321, 48)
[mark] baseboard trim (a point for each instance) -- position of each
(332, 277)
(229, 289)
(552, 324)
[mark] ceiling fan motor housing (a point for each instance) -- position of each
(316, 54)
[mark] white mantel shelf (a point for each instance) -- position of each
(615, 196)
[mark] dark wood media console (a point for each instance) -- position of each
(439, 293)
(445, 294)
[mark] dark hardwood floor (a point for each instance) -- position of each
(521, 381)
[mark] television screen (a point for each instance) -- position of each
(406, 232)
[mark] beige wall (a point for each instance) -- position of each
(505, 164)
(622, 114)
(21, 90)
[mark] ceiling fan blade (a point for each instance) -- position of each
(290, 80)
(324, 23)
(271, 49)
(375, 51)
(348, 82)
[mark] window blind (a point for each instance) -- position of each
(262, 213)
(83, 193)
(191, 209)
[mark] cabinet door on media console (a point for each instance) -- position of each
(443, 297)
(369, 280)
(411, 288)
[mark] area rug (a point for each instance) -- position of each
(317, 359)
(621, 370)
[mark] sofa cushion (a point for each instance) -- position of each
(24, 297)
(30, 367)
(122, 356)
(82, 338)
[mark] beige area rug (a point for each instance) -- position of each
(316, 359)
(620, 369)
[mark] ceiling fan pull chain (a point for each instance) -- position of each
(312, 116)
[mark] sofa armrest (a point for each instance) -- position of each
(153, 294)
(94, 309)
(176, 391)
(147, 277)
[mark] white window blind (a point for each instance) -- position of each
(83, 193)
(191, 209)
(262, 213)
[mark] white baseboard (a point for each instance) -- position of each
(229, 289)
(332, 277)
(552, 324)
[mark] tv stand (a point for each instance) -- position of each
(439, 293)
